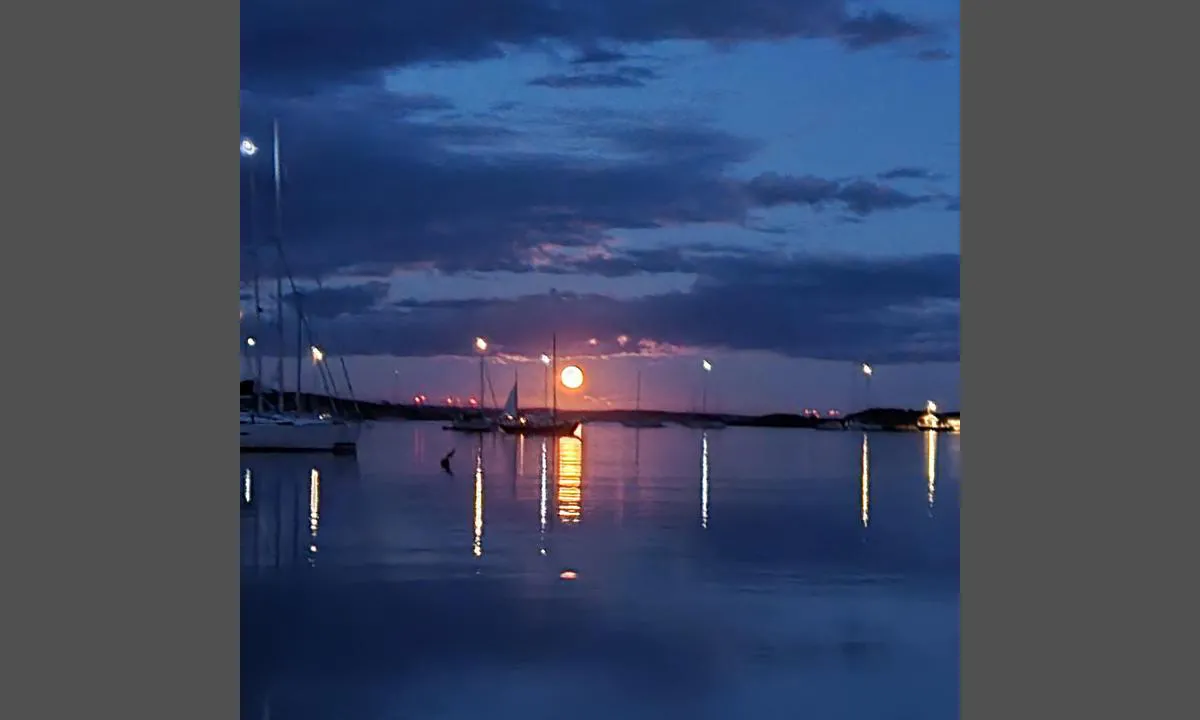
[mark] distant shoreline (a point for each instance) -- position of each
(879, 419)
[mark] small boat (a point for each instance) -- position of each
(641, 422)
(514, 422)
(474, 421)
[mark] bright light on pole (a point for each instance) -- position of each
(545, 359)
(866, 370)
(251, 342)
(248, 148)
(317, 355)
(481, 344)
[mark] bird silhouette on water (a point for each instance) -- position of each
(446, 462)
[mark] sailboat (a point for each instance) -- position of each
(281, 430)
(513, 422)
(638, 421)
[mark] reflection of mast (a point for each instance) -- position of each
(931, 463)
(477, 547)
(866, 481)
(314, 513)
(570, 478)
(542, 499)
(704, 480)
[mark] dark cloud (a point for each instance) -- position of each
(372, 183)
(935, 55)
(893, 310)
(909, 173)
(878, 28)
(298, 47)
(621, 77)
(861, 197)
(327, 302)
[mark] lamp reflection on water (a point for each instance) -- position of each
(314, 509)
(477, 547)
(931, 439)
(570, 478)
(246, 487)
(866, 482)
(542, 499)
(704, 480)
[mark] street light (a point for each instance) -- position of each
(546, 379)
(250, 342)
(704, 387)
(481, 346)
(867, 372)
(317, 355)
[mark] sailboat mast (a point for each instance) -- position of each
(638, 401)
(482, 371)
(279, 246)
(554, 374)
(256, 271)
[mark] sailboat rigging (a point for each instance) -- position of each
(282, 430)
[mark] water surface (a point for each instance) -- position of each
(738, 573)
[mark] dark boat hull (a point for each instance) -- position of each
(561, 429)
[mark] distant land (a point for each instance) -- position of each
(887, 419)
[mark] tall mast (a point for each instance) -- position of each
(482, 369)
(639, 391)
(254, 269)
(554, 375)
(279, 246)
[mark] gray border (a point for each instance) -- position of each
(1062, 377)
(122, 252)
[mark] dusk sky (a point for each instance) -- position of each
(771, 184)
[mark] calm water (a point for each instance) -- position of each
(732, 574)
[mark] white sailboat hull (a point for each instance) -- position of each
(299, 436)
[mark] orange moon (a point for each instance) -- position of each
(572, 377)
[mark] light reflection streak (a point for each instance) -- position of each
(543, 499)
(931, 463)
(520, 456)
(477, 547)
(314, 508)
(246, 486)
(570, 478)
(704, 480)
(866, 482)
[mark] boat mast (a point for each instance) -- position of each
(554, 376)
(638, 401)
(482, 368)
(279, 245)
(258, 364)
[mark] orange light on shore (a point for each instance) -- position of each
(572, 377)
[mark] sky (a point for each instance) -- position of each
(772, 185)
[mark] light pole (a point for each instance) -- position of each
(481, 346)
(248, 150)
(704, 386)
(545, 379)
(867, 372)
